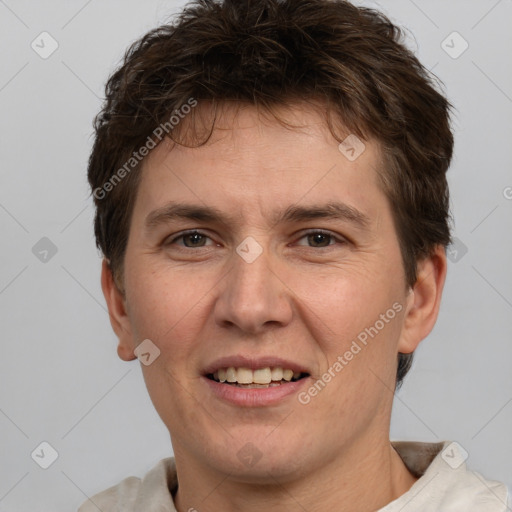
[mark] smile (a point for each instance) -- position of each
(259, 378)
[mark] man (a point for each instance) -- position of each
(272, 205)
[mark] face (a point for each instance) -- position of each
(266, 248)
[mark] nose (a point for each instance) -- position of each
(253, 296)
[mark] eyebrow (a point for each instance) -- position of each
(333, 210)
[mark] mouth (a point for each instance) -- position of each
(248, 381)
(260, 378)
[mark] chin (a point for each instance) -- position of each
(261, 458)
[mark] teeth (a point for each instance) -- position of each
(262, 376)
(277, 374)
(244, 376)
(287, 375)
(231, 375)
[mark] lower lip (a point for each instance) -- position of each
(254, 397)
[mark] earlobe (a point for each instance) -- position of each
(117, 312)
(423, 301)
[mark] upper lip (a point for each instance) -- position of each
(254, 363)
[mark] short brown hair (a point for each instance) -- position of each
(267, 53)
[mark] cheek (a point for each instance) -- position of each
(342, 303)
(359, 369)
(167, 307)
(164, 304)
(355, 318)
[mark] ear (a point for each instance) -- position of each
(117, 311)
(423, 301)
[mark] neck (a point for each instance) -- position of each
(364, 479)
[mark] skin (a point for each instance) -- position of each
(304, 299)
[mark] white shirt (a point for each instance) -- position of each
(444, 485)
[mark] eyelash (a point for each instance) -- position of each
(340, 240)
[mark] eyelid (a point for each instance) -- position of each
(339, 238)
(171, 239)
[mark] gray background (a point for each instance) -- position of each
(61, 380)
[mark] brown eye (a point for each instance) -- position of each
(195, 240)
(190, 240)
(319, 239)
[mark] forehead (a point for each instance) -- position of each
(253, 163)
(237, 122)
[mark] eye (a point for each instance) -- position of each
(190, 239)
(319, 239)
